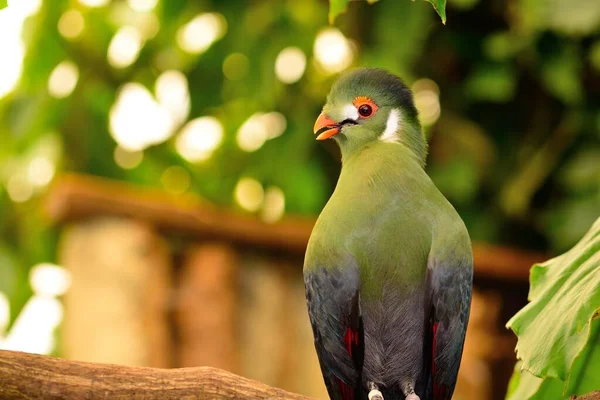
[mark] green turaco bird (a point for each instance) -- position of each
(389, 267)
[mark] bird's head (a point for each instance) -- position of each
(368, 105)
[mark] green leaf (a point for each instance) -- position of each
(3, 4)
(336, 7)
(526, 386)
(558, 329)
(440, 8)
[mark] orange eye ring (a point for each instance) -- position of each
(365, 106)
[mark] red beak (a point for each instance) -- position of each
(325, 127)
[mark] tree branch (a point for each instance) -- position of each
(29, 376)
(590, 396)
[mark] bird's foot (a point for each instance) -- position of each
(374, 393)
(409, 391)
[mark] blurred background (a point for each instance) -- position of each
(159, 177)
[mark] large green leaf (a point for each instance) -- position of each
(558, 329)
(3, 4)
(526, 386)
(336, 7)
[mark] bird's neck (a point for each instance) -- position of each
(409, 136)
(386, 160)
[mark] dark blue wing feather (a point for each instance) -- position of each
(333, 308)
(451, 285)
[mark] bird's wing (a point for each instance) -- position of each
(333, 308)
(451, 284)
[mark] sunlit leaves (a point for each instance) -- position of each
(337, 7)
(567, 17)
(3, 4)
(559, 329)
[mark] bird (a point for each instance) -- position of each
(388, 269)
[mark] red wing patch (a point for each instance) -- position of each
(350, 339)
(347, 391)
(439, 391)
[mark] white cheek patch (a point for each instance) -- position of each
(350, 112)
(391, 126)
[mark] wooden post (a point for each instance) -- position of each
(301, 370)
(116, 308)
(262, 336)
(205, 307)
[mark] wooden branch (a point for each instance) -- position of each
(28, 376)
(590, 396)
(80, 196)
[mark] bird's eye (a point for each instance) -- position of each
(365, 106)
(365, 110)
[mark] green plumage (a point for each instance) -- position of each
(388, 268)
(385, 203)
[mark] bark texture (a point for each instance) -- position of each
(28, 376)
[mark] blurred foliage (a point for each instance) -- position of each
(516, 147)
(559, 330)
(336, 7)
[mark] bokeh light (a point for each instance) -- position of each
(49, 279)
(127, 159)
(252, 134)
(19, 188)
(71, 24)
(199, 138)
(172, 92)
(12, 47)
(63, 79)
(333, 52)
(427, 100)
(201, 32)
(25, 7)
(176, 180)
(235, 66)
(142, 5)
(94, 3)
(258, 129)
(40, 171)
(274, 205)
(249, 194)
(124, 47)
(290, 65)
(137, 120)
(33, 330)
(275, 124)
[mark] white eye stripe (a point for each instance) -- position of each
(391, 126)
(350, 112)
